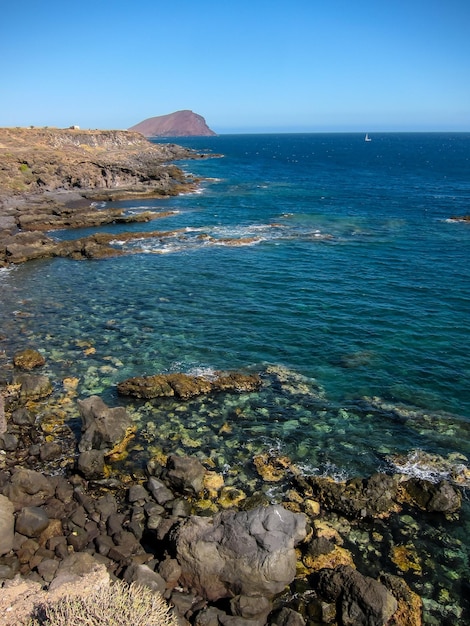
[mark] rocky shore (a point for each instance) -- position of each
(72, 520)
(219, 556)
(52, 179)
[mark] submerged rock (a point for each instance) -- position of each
(28, 359)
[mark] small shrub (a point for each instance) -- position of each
(118, 604)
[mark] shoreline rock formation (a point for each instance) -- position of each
(66, 511)
(53, 179)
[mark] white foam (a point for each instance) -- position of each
(5, 271)
(432, 468)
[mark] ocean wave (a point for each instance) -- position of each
(6, 271)
(432, 467)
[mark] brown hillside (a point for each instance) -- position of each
(178, 124)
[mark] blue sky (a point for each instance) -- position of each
(246, 66)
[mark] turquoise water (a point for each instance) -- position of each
(349, 291)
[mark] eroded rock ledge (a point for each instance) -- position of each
(54, 179)
(184, 386)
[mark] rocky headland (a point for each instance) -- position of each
(52, 179)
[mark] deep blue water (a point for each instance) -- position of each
(349, 291)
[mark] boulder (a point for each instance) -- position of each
(239, 553)
(81, 571)
(23, 417)
(7, 525)
(159, 490)
(374, 497)
(3, 419)
(28, 488)
(143, 575)
(253, 608)
(33, 386)
(90, 463)
(50, 450)
(31, 521)
(360, 600)
(103, 427)
(439, 497)
(185, 474)
(287, 617)
(8, 442)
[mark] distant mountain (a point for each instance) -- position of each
(178, 124)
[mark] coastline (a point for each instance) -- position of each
(319, 506)
(53, 179)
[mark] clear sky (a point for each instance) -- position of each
(245, 65)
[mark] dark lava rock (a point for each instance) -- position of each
(185, 474)
(434, 498)
(28, 488)
(32, 386)
(248, 553)
(361, 601)
(7, 525)
(31, 521)
(358, 498)
(90, 463)
(103, 427)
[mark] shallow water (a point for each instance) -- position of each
(326, 263)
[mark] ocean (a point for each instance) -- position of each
(329, 265)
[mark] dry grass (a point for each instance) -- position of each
(116, 605)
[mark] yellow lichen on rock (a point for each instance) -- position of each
(225, 429)
(311, 507)
(406, 558)
(70, 383)
(119, 452)
(325, 530)
(213, 483)
(272, 469)
(231, 497)
(338, 556)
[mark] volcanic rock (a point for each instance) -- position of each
(31, 521)
(103, 427)
(179, 124)
(362, 600)
(246, 553)
(184, 386)
(28, 359)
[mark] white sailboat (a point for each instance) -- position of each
(367, 138)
